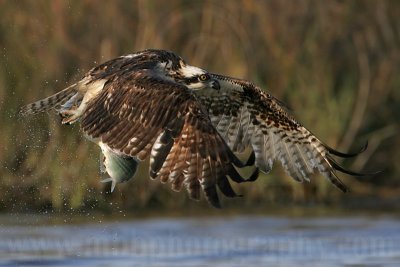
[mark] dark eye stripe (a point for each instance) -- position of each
(191, 80)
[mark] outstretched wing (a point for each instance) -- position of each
(245, 116)
(139, 114)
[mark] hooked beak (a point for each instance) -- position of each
(215, 85)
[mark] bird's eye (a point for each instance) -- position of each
(204, 77)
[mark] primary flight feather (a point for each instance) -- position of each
(245, 116)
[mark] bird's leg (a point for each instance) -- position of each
(70, 109)
(65, 113)
(69, 115)
(73, 109)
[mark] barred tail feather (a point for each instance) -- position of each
(49, 102)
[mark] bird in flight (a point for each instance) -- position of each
(189, 122)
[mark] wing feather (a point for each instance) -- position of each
(246, 116)
(139, 115)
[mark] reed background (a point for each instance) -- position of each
(335, 63)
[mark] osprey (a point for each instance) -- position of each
(189, 122)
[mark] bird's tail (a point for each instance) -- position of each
(49, 102)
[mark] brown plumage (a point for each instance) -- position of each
(142, 115)
(189, 122)
(141, 106)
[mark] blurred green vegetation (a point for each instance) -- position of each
(335, 63)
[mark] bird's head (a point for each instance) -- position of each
(174, 67)
(195, 78)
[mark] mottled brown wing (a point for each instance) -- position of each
(245, 116)
(139, 114)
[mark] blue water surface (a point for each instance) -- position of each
(225, 241)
